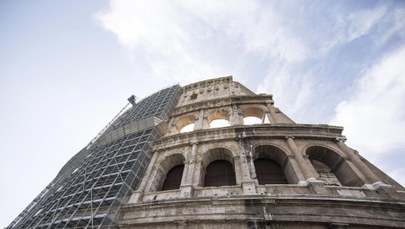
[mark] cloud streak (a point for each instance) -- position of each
(373, 116)
(182, 39)
(299, 83)
(169, 36)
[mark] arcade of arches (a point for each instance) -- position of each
(270, 166)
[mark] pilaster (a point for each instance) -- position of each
(199, 121)
(235, 118)
(191, 163)
(248, 184)
(305, 166)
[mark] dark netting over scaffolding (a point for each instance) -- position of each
(90, 189)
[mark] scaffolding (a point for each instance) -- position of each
(89, 190)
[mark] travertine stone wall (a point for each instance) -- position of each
(313, 198)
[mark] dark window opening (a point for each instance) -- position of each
(269, 172)
(219, 173)
(193, 96)
(173, 178)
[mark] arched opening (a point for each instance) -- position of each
(253, 115)
(250, 120)
(269, 172)
(185, 124)
(218, 118)
(216, 123)
(272, 166)
(187, 128)
(219, 169)
(173, 178)
(219, 173)
(168, 173)
(331, 167)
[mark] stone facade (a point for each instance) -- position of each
(329, 185)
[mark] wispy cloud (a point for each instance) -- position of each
(392, 25)
(299, 81)
(352, 26)
(182, 40)
(161, 33)
(373, 117)
(291, 89)
(360, 22)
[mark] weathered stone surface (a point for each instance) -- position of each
(329, 184)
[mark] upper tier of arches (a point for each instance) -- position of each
(221, 117)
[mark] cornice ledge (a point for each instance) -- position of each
(252, 131)
(328, 128)
(220, 101)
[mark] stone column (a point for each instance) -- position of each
(235, 117)
(248, 184)
(138, 194)
(238, 169)
(199, 121)
(244, 165)
(249, 158)
(306, 169)
(185, 171)
(189, 167)
(191, 164)
(197, 172)
(204, 121)
(360, 165)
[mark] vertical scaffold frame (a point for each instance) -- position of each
(89, 190)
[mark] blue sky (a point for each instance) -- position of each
(67, 67)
